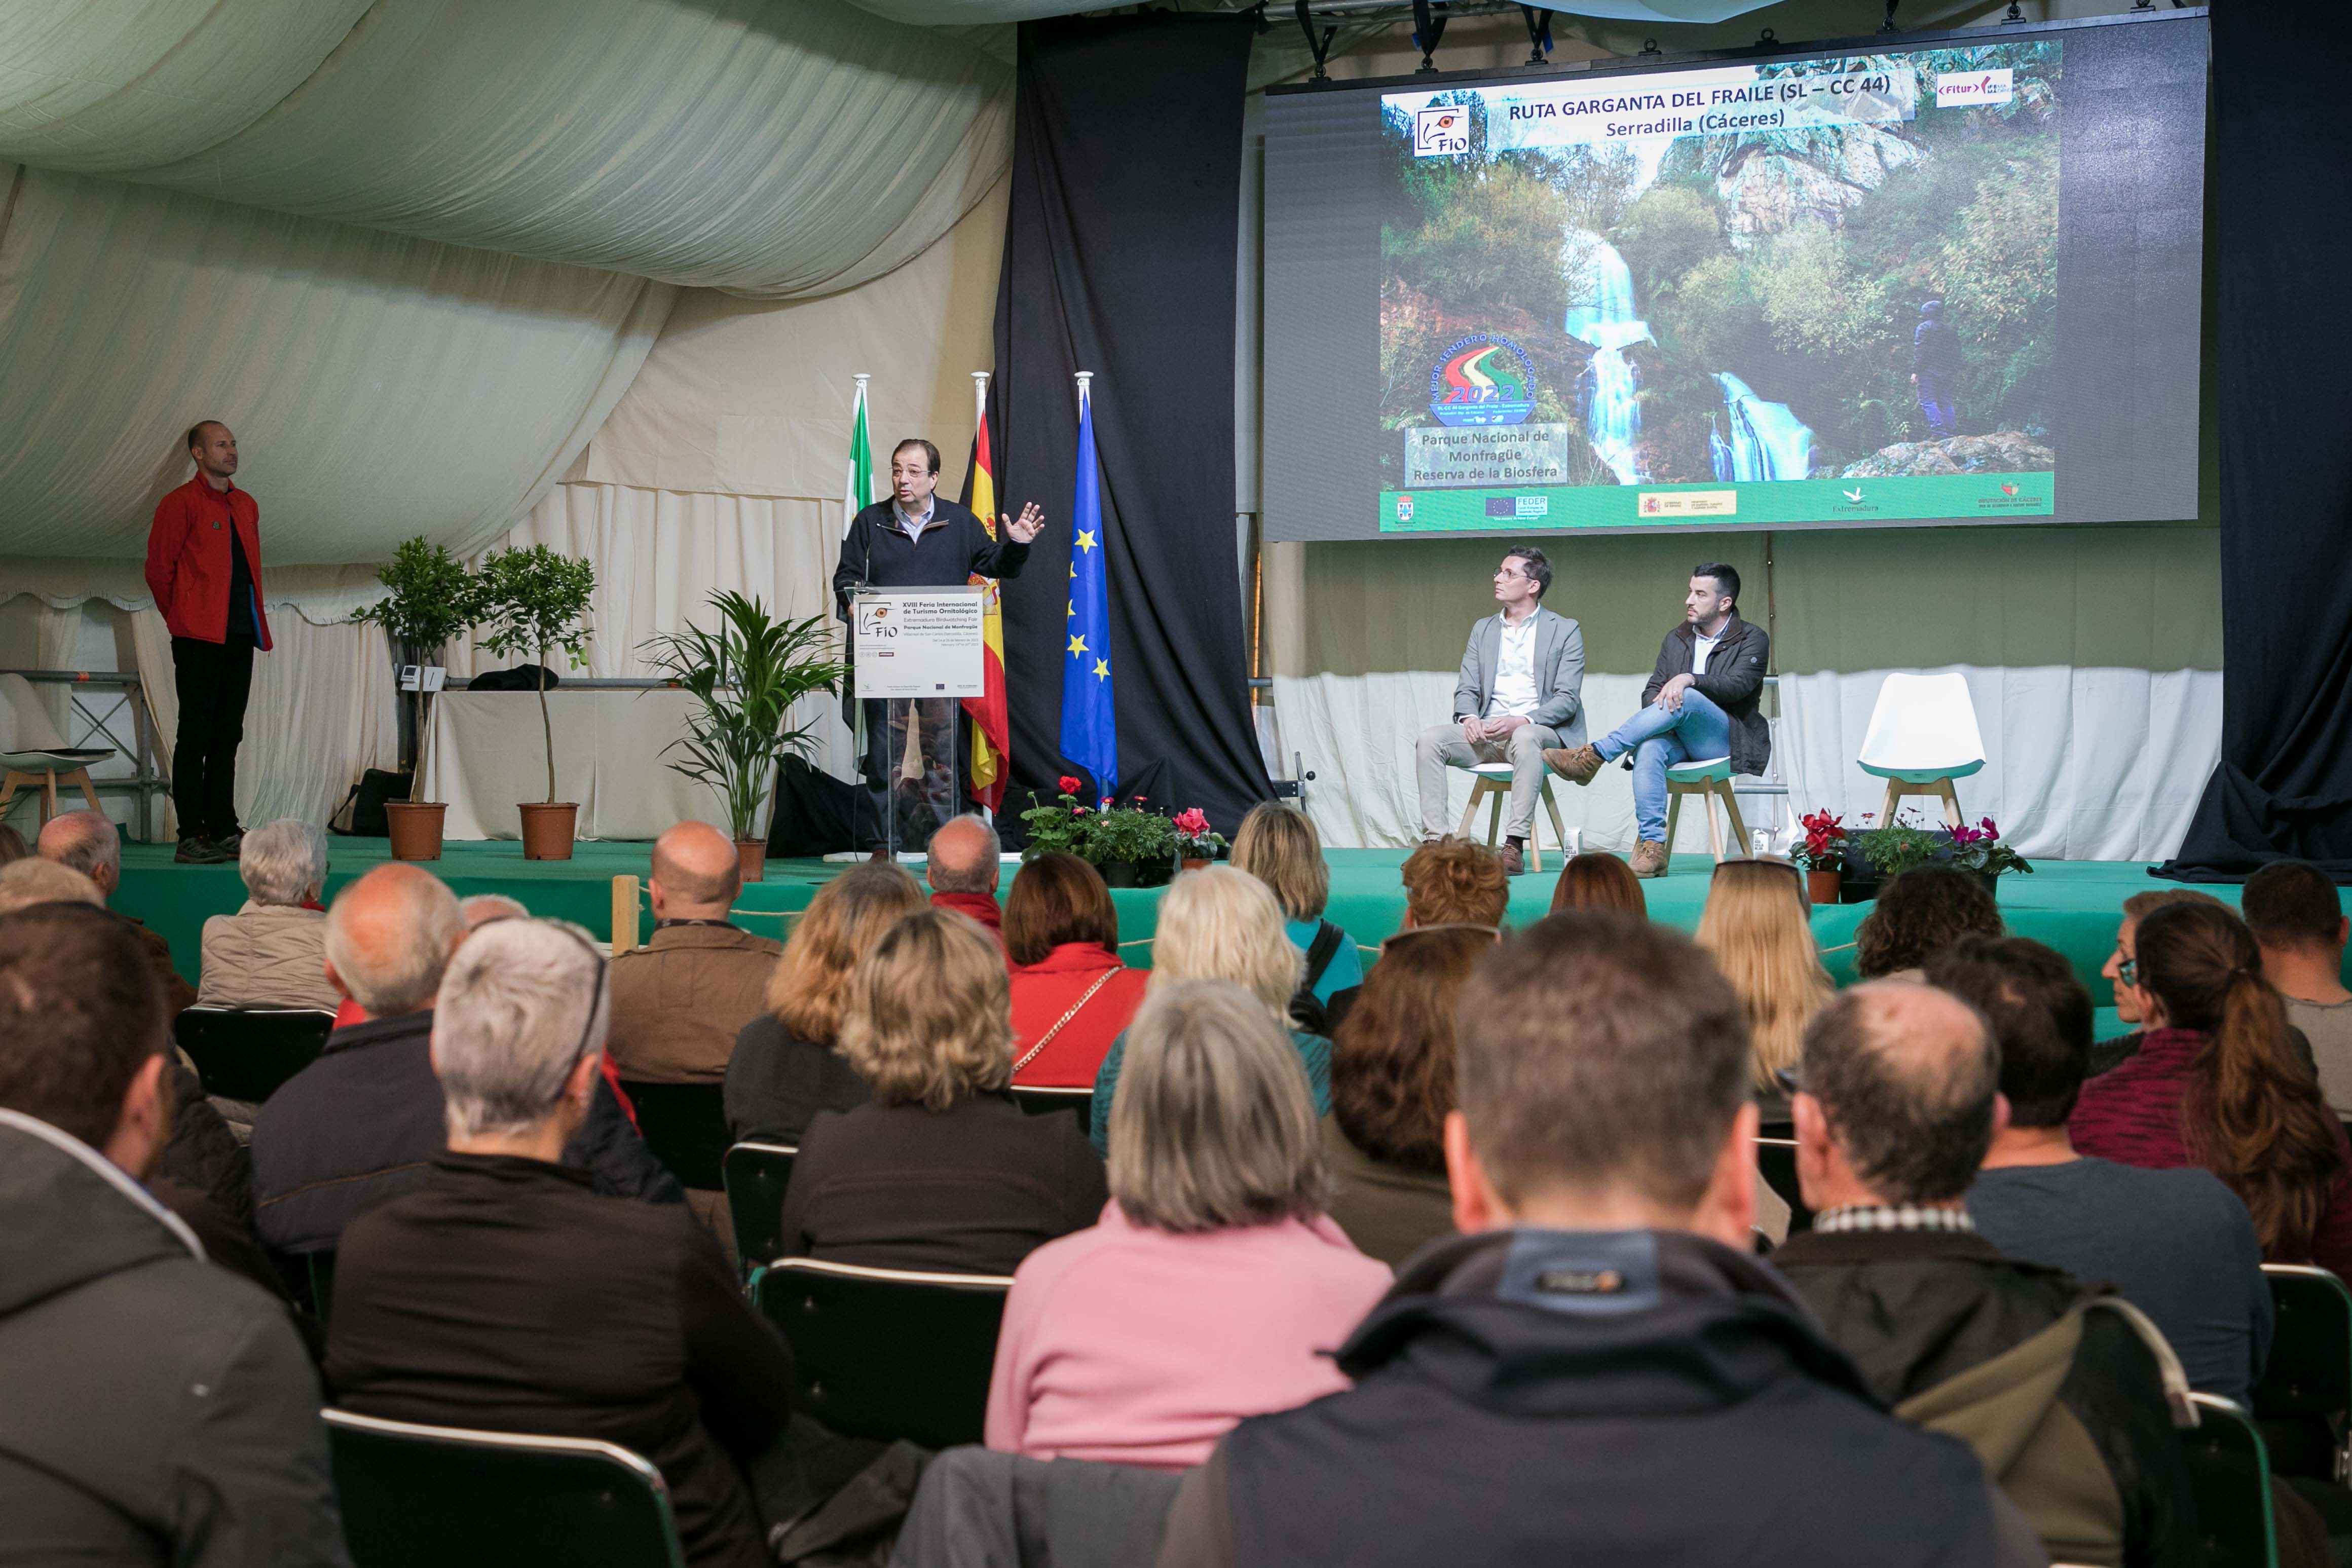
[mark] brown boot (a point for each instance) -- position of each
(1649, 859)
(1577, 766)
(1513, 863)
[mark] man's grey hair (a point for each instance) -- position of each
(523, 1003)
(981, 875)
(283, 862)
(83, 839)
(1213, 1123)
(398, 976)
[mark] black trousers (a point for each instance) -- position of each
(213, 679)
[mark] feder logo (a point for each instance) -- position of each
(1482, 380)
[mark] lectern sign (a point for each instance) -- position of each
(919, 642)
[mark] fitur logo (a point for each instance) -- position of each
(1971, 88)
(1441, 131)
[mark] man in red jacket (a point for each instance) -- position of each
(204, 566)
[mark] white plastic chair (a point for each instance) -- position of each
(1923, 735)
(32, 752)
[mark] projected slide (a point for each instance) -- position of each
(1813, 290)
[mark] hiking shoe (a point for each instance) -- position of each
(1513, 863)
(1649, 858)
(198, 851)
(1578, 766)
(230, 843)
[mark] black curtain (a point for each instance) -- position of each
(1118, 258)
(2276, 173)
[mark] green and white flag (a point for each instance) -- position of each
(860, 494)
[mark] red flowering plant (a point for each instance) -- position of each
(1979, 849)
(1903, 843)
(1824, 842)
(1060, 827)
(1195, 839)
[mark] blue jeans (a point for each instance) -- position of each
(1659, 738)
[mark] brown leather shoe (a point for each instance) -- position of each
(1513, 863)
(1649, 859)
(1578, 766)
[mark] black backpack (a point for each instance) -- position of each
(1306, 1010)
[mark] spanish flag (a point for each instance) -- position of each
(990, 748)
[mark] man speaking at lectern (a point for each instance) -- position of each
(918, 539)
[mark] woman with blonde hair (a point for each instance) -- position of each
(1757, 930)
(1214, 1282)
(1278, 845)
(940, 1170)
(785, 1069)
(1222, 924)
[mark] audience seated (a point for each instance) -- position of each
(153, 1409)
(363, 1122)
(679, 1001)
(1758, 929)
(1071, 994)
(2297, 919)
(2068, 1396)
(2107, 1054)
(1916, 916)
(1453, 881)
(1392, 1089)
(963, 862)
(940, 1170)
(13, 847)
(1214, 1287)
(1279, 847)
(502, 1292)
(1218, 923)
(785, 1067)
(1597, 1369)
(33, 880)
(2176, 1244)
(2217, 1082)
(1600, 883)
(89, 842)
(272, 952)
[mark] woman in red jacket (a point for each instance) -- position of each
(1071, 995)
(2216, 1082)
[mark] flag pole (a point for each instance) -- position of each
(979, 398)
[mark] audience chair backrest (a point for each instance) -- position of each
(685, 1125)
(2304, 1399)
(1041, 1102)
(885, 1353)
(1923, 723)
(1776, 1161)
(756, 1176)
(245, 1053)
(2229, 1477)
(457, 1499)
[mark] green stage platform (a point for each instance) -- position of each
(2070, 905)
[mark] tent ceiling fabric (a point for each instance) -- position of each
(380, 386)
(934, 13)
(768, 150)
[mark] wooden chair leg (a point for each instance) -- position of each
(48, 797)
(1559, 834)
(1739, 828)
(1894, 803)
(1673, 816)
(1470, 812)
(80, 776)
(1713, 829)
(1534, 847)
(1494, 816)
(1951, 801)
(8, 788)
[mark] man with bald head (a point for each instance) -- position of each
(87, 841)
(2068, 1395)
(679, 1001)
(965, 860)
(361, 1124)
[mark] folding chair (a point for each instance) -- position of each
(2305, 1398)
(245, 1053)
(685, 1124)
(1923, 735)
(453, 1497)
(756, 1176)
(886, 1352)
(2230, 1477)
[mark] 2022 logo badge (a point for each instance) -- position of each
(1482, 380)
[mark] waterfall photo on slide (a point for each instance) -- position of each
(1834, 280)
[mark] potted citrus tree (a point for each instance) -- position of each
(429, 600)
(745, 675)
(535, 601)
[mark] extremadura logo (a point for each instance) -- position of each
(1482, 380)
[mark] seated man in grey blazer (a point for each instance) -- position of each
(1522, 690)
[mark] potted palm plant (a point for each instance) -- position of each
(535, 601)
(745, 675)
(430, 600)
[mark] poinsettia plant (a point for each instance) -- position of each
(1195, 839)
(1823, 845)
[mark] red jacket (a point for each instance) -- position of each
(1044, 990)
(188, 565)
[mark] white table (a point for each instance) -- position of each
(487, 753)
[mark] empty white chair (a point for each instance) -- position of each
(32, 752)
(1923, 735)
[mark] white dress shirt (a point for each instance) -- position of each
(1703, 649)
(913, 523)
(1514, 672)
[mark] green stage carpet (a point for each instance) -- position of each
(2070, 905)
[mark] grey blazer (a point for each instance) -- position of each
(1560, 674)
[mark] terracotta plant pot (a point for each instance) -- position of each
(1196, 862)
(416, 829)
(546, 830)
(751, 855)
(1821, 887)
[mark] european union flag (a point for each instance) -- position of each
(1089, 714)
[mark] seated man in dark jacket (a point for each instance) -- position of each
(502, 1292)
(363, 1123)
(2069, 1395)
(154, 1409)
(1596, 1369)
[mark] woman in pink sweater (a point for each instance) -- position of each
(1214, 1281)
